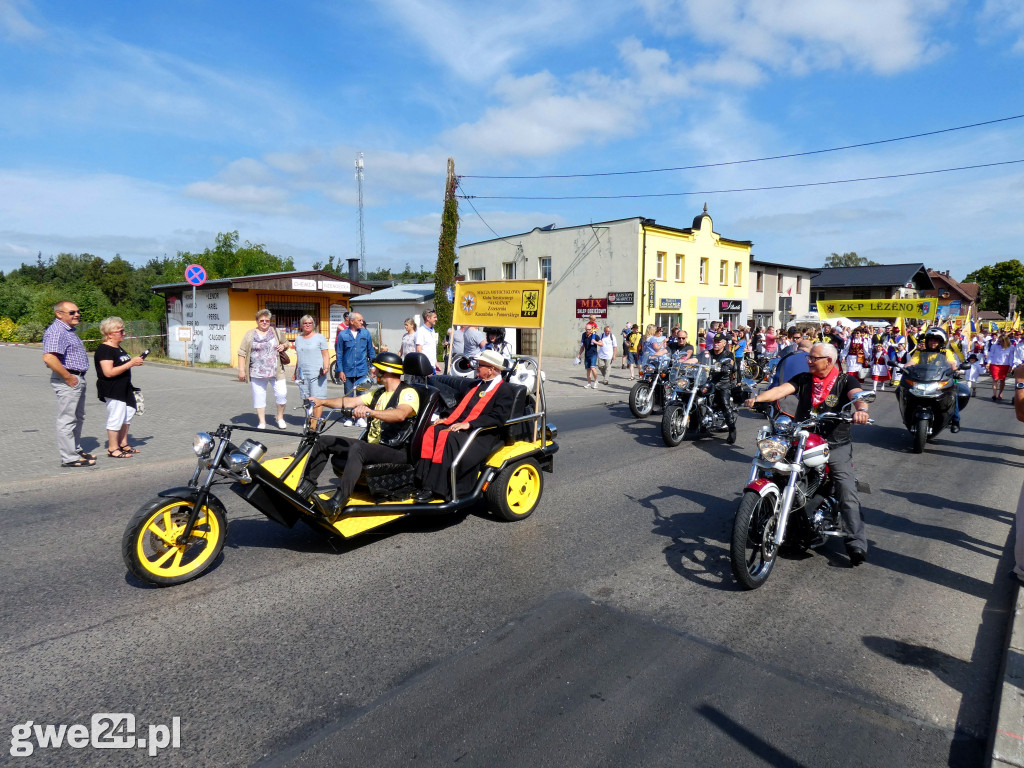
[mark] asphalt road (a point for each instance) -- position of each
(604, 630)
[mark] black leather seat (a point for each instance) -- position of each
(395, 481)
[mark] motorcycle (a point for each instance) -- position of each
(927, 393)
(178, 535)
(789, 497)
(690, 406)
(650, 391)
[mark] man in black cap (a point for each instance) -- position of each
(720, 354)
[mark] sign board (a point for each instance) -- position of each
(195, 274)
(946, 311)
(588, 307)
(620, 297)
(500, 303)
(335, 286)
(184, 333)
(204, 321)
(915, 309)
(301, 284)
(730, 305)
(671, 304)
(785, 303)
(650, 293)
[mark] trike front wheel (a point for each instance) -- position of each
(150, 545)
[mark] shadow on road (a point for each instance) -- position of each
(743, 736)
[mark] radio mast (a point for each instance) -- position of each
(362, 235)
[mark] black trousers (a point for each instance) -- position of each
(437, 477)
(356, 454)
(722, 398)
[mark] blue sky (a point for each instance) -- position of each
(145, 128)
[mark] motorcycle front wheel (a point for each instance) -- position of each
(672, 429)
(753, 550)
(921, 436)
(641, 399)
(150, 546)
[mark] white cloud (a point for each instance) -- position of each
(247, 197)
(13, 23)
(1005, 17)
(479, 41)
(802, 36)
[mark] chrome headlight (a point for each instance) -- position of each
(238, 462)
(772, 449)
(783, 424)
(928, 387)
(682, 384)
(202, 444)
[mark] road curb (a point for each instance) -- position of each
(1008, 741)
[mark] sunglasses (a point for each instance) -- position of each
(72, 312)
(816, 357)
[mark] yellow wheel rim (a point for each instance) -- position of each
(523, 489)
(157, 548)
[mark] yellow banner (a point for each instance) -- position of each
(916, 309)
(500, 303)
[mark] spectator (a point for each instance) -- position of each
(114, 387)
(606, 352)
(474, 341)
(312, 362)
(65, 356)
(588, 353)
(426, 338)
(259, 363)
(409, 339)
(354, 350)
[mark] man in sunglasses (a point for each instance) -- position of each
(825, 388)
(64, 354)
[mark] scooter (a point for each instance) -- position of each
(178, 535)
(929, 395)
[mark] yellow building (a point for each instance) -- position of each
(225, 308)
(631, 270)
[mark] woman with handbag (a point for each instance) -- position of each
(261, 361)
(114, 387)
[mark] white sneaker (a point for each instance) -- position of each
(595, 385)
(282, 424)
(360, 422)
(347, 423)
(261, 426)
(587, 385)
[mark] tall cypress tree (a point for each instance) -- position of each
(444, 274)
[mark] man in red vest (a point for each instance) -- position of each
(486, 404)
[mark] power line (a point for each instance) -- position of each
(468, 199)
(758, 159)
(742, 189)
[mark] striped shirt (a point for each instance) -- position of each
(61, 340)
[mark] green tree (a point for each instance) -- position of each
(228, 259)
(850, 259)
(997, 282)
(444, 273)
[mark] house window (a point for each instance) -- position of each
(704, 271)
(508, 270)
(737, 271)
(660, 273)
(778, 285)
(723, 272)
(760, 281)
(477, 273)
(861, 293)
(679, 267)
(799, 285)
(545, 267)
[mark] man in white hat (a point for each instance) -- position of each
(488, 403)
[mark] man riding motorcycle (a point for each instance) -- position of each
(934, 350)
(825, 389)
(389, 411)
(720, 354)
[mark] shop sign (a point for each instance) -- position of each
(299, 284)
(335, 286)
(588, 307)
(621, 297)
(650, 293)
(730, 305)
(671, 304)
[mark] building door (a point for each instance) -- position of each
(669, 320)
(731, 320)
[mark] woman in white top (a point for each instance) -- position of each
(409, 339)
(1000, 355)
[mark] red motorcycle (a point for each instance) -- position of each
(789, 498)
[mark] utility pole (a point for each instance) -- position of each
(362, 234)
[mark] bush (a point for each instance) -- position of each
(92, 338)
(8, 329)
(30, 333)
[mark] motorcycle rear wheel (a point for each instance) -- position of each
(753, 551)
(921, 436)
(672, 429)
(641, 399)
(150, 548)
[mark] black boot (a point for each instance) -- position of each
(955, 426)
(335, 504)
(732, 435)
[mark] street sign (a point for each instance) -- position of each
(184, 333)
(195, 274)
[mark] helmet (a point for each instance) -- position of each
(937, 333)
(499, 332)
(388, 362)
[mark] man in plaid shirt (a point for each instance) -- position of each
(65, 356)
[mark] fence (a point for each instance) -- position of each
(139, 335)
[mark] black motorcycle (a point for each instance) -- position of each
(690, 407)
(649, 391)
(928, 393)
